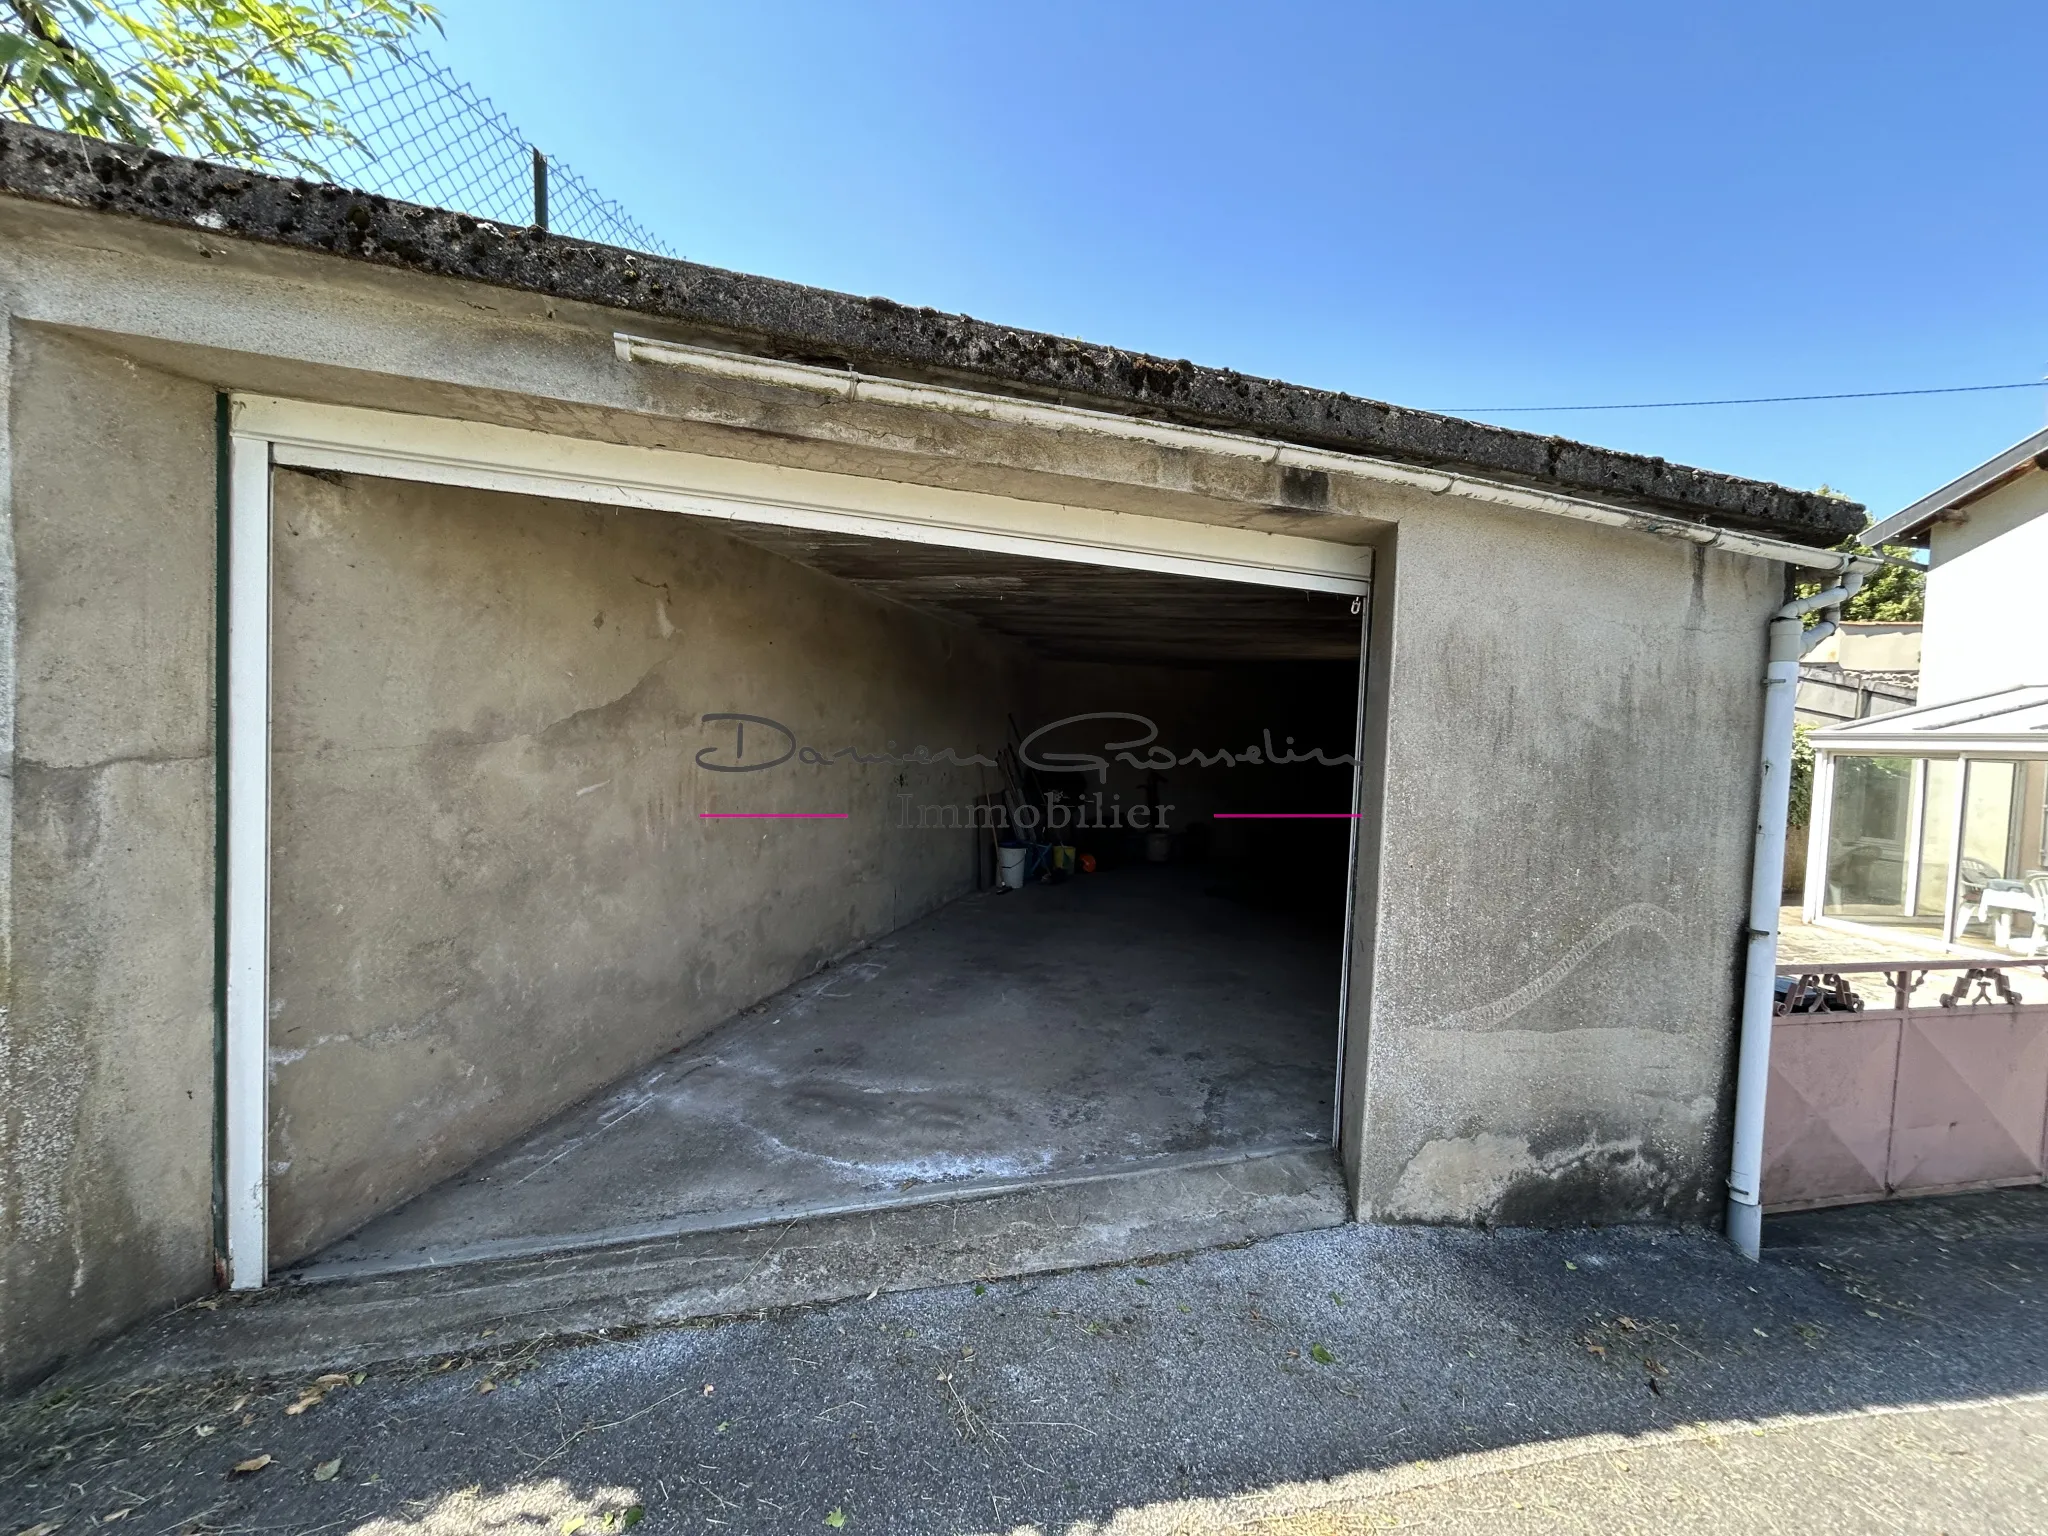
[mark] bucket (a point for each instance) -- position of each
(1010, 865)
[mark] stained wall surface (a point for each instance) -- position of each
(106, 1046)
(1564, 724)
(494, 888)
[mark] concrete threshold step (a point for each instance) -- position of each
(944, 1236)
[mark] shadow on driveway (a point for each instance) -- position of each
(1080, 1400)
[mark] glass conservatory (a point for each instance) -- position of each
(1935, 819)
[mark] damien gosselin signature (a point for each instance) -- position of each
(770, 744)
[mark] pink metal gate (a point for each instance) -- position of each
(1879, 1103)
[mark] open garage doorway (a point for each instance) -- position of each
(635, 874)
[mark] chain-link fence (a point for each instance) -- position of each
(427, 137)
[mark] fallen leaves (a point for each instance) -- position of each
(327, 1470)
(323, 1384)
(1321, 1355)
(253, 1465)
(611, 1520)
(836, 1519)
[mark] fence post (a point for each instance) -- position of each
(540, 191)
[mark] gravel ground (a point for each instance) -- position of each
(1882, 1370)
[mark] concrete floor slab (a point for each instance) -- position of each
(1162, 1207)
(1049, 1034)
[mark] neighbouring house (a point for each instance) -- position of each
(517, 746)
(1861, 669)
(1934, 820)
(1986, 537)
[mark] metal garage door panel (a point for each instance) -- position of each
(1972, 1095)
(1827, 1128)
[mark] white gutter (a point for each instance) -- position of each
(845, 384)
(1766, 889)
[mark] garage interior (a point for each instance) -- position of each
(695, 1008)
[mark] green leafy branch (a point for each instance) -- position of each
(226, 79)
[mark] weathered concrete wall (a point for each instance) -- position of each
(106, 1048)
(492, 889)
(1544, 983)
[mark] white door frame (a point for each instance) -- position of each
(1351, 866)
(266, 432)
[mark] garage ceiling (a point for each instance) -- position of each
(1068, 611)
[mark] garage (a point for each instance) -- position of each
(461, 674)
(634, 872)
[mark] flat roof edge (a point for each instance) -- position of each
(799, 323)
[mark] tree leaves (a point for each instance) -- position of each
(225, 78)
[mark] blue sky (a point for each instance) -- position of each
(1445, 205)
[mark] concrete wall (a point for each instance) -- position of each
(1556, 863)
(1985, 596)
(492, 890)
(106, 1047)
(1873, 647)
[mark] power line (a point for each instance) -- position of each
(1673, 405)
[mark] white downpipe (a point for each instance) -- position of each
(248, 862)
(1766, 889)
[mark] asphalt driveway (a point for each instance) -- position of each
(1884, 1369)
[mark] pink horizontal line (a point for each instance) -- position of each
(1286, 815)
(769, 815)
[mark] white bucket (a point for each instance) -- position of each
(1010, 867)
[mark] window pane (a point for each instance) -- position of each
(1987, 825)
(1867, 837)
(2033, 819)
(1937, 836)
